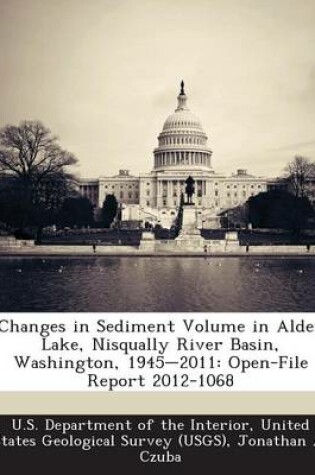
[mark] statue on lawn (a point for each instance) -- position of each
(190, 189)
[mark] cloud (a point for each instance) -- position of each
(297, 145)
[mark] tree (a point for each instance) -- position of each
(76, 212)
(279, 209)
(31, 155)
(300, 171)
(11, 202)
(109, 210)
(42, 211)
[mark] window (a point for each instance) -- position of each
(148, 203)
(216, 193)
(121, 194)
(129, 194)
(148, 192)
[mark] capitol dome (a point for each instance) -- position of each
(182, 142)
(182, 119)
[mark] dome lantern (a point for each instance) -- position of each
(181, 98)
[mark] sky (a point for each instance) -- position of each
(104, 75)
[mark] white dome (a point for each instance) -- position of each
(184, 120)
(182, 142)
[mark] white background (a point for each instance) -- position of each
(291, 344)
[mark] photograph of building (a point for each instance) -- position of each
(157, 156)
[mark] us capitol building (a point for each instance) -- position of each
(182, 151)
